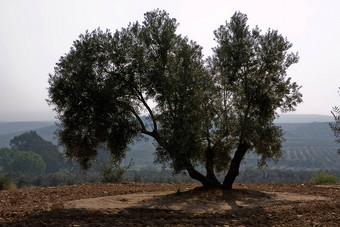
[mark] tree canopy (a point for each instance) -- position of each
(32, 142)
(201, 112)
(12, 160)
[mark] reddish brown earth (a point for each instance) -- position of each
(136, 204)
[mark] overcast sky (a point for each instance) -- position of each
(34, 34)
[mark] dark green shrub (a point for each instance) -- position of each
(60, 178)
(112, 171)
(324, 178)
(22, 180)
(6, 183)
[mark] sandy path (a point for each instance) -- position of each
(193, 202)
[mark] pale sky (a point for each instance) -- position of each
(34, 34)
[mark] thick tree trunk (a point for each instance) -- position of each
(207, 183)
(209, 166)
(234, 166)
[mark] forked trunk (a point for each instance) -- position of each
(209, 166)
(206, 182)
(234, 166)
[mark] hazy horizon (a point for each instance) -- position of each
(51, 116)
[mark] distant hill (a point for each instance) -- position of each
(307, 146)
(45, 129)
(303, 118)
(309, 143)
(27, 116)
(13, 127)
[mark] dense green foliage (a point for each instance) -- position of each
(207, 113)
(6, 183)
(12, 160)
(324, 178)
(250, 69)
(31, 141)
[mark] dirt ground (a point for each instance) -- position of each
(137, 204)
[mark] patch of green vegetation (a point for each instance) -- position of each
(6, 183)
(112, 171)
(324, 178)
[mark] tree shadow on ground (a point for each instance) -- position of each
(200, 200)
(146, 217)
(159, 211)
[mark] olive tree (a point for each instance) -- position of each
(146, 80)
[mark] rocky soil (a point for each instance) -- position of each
(137, 204)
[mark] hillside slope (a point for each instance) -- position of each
(307, 146)
(45, 129)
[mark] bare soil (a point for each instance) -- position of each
(137, 204)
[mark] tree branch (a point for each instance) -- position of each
(141, 98)
(143, 128)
